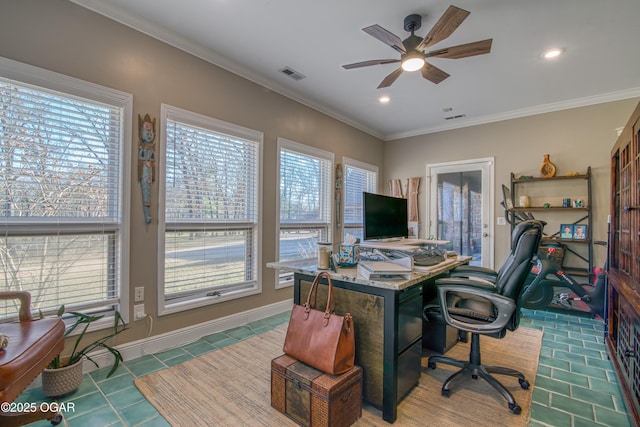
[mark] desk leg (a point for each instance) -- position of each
(390, 375)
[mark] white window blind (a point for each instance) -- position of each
(306, 198)
(61, 175)
(358, 178)
(211, 207)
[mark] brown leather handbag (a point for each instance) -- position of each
(320, 339)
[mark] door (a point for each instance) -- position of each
(460, 205)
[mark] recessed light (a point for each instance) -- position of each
(552, 53)
(384, 99)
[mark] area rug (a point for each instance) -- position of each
(231, 387)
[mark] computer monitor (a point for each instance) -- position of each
(384, 217)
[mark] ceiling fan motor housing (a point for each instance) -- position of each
(412, 23)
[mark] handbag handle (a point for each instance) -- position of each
(330, 299)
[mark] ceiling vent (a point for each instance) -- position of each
(292, 73)
(459, 116)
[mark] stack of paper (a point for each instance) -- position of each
(383, 270)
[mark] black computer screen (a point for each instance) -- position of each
(384, 217)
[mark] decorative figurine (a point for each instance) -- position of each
(146, 161)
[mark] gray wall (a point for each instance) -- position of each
(575, 139)
(60, 36)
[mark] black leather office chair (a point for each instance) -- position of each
(481, 307)
(486, 273)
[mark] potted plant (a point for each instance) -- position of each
(64, 374)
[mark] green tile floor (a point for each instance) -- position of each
(575, 385)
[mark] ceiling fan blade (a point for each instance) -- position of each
(463, 50)
(388, 81)
(433, 73)
(385, 37)
(368, 63)
(445, 26)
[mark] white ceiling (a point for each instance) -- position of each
(257, 38)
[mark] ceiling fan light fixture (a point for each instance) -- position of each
(552, 53)
(412, 61)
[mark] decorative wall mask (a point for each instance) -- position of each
(146, 161)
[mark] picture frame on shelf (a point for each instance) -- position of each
(580, 232)
(506, 197)
(566, 231)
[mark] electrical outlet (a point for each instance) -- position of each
(138, 312)
(501, 220)
(138, 295)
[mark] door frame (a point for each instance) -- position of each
(487, 166)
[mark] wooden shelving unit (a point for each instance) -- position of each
(623, 294)
(575, 215)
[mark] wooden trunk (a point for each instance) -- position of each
(313, 398)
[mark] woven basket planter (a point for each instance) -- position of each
(61, 381)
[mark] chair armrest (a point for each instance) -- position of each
(505, 307)
(25, 302)
(459, 281)
(474, 271)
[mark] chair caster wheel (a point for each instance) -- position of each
(445, 393)
(515, 409)
(57, 419)
(431, 365)
(524, 384)
(475, 377)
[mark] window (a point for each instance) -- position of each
(62, 172)
(358, 178)
(210, 221)
(306, 196)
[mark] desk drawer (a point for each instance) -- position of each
(409, 369)
(409, 317)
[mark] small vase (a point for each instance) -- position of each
(547, 169)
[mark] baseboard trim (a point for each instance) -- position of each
(180, 337)
(157, 343)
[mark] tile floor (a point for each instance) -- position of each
(575, 385)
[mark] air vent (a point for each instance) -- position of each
(292, 73)
(459, 116)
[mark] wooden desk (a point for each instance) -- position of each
(387, 319)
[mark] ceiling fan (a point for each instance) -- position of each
(413, 56)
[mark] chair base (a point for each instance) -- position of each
(476, 369)
(17, 419)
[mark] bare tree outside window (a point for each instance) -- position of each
(59, 197)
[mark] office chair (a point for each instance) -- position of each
(33, 343)
(480, 307)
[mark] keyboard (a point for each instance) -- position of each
(428, 259)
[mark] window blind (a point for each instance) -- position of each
(358, 178)
(306, 198)
(60, 194)
(211, 209)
